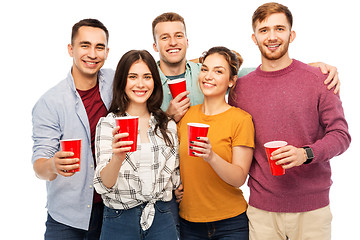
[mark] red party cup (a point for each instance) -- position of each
(129, 124)
(270, 147)
(177, 86)
(196, 130)
(72, 145)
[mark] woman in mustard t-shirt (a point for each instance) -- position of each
(212, 204)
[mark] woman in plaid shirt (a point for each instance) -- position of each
(136, 187)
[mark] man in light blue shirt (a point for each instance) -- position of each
(63, 112)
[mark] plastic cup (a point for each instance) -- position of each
(270, 147)
(196, 130)
(177, 86)
(72, 145)
(129, 124)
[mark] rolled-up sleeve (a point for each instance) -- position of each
(46, 130)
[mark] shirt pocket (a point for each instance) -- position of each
(163, 207)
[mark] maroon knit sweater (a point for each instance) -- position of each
(293, 105)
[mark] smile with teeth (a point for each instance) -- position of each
(274, 46)
(173, 50)
(90, 63)
(207, 84)
(139, 93)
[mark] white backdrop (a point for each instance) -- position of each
(34, 38)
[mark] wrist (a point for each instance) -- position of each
(304, 157)
(52, 166)
(212, 158)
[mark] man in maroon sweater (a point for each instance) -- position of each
(288, 101)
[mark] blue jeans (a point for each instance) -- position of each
(174, 206)
(59, 231)
(227, 229)
(125, 224)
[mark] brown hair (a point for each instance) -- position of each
(120, 100)
(267, 9)
(89, 22)
(167, 17)
(233, 58)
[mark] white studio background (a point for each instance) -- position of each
(34, 38)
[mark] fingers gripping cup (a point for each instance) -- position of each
(72, 145)
(177, 86)
(196, 130)
(270, 147)
(129, 124)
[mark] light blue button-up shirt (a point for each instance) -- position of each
(192, 83)
(60, 114)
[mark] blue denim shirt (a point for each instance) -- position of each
(192, 83)
(60, 114)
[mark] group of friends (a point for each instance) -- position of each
(159, 191)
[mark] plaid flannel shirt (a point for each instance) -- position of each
(126, 193)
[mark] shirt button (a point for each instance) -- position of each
(88, 206)
(90, 186)
(92, 166)
(169, 93)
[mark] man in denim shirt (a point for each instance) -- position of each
(69, 110)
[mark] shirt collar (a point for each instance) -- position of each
(164, 78)
(70, 79)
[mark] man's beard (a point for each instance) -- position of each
(279, 53)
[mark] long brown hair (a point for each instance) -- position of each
(120, 101)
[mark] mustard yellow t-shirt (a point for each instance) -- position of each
(207, 197)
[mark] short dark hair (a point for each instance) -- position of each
(89, 22)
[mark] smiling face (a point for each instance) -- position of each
(273, 36)
(89, 52)
(140, 83)
(171, 42)
(214, 77)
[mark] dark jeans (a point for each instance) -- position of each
(125, 224)
(227, 229)
(59, 231)
(174, 206)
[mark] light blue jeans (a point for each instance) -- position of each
(125, 224)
